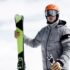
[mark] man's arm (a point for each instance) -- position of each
(62, 62)
(65, 42)
(33, 42)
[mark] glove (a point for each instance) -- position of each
(56, 66)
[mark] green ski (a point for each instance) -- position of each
(20, 42)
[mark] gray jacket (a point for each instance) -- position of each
(55, 39)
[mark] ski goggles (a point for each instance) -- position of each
(51, 13)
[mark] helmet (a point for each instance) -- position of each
(51, 7)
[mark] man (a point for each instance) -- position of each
(55, 40)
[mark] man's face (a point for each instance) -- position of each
(51, 18)
(51, 15)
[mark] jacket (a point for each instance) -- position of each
(54, 39)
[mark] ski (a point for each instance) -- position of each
(20, 41)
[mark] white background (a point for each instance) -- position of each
(34, 20)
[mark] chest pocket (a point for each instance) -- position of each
(45, 35)
(54, 36)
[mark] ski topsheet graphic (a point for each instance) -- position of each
(20, 42)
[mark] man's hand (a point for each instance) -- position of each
(56, 66)
(17, 34)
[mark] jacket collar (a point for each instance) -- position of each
(58, 23)
(53, 25)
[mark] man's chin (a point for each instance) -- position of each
(50, 22)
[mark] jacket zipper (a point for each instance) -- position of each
(47, 44)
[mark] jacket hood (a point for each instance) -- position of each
(62, 22)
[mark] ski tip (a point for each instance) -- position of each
(18, 18)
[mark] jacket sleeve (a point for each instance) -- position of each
(34, 42)
(65, 42)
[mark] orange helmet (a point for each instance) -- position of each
(51, 7)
